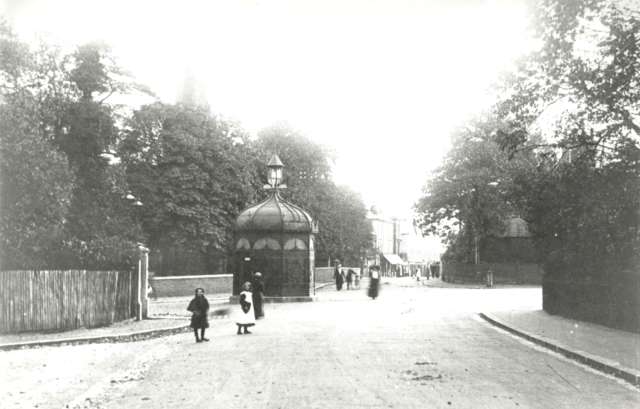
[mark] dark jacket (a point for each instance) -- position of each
(199, 307)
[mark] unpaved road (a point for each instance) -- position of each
(414, 347)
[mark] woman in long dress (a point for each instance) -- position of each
(337, 274)
(374, 285)
(247, 317)
(258, 295)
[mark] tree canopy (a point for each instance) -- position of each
(584, 78)
(571, 108)
(192, 177)
(188, 171)
(472, 194)
(37, 183)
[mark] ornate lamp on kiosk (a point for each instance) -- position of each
(276, 238)
(275, 173)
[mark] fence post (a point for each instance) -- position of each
(143, 283)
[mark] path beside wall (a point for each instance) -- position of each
(325, 274)
(184, 286)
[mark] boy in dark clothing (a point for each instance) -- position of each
(199, 308)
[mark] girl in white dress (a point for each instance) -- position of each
(246, 318)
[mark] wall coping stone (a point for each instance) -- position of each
(191, 277)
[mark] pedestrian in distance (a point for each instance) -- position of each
(338, 276)
(257, 287)
(356, 280)
(489, 278)
(350, 274)
(247, 317)
(374, 284)
(199, 308)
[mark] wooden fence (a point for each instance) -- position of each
(62, 300)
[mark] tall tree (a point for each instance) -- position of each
(36, 182)
(345, 231)
(469, 197)
(102, 225)
(585, 75)
(193, 172)
(582, 86)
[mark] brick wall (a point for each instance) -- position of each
(611, 302)
(503, 273)
(184, 286)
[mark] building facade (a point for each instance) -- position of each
(387, 244)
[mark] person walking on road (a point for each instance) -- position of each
(350, 275)
(374, 285)
(199, 307)
(338, 276)
(258, 295)
(356, 280)
(247, 317)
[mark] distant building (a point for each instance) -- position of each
(516, 227)
(387, 245)
(515, 244)
(193, 91)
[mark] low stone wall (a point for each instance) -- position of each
(184, 286)
(325, 274)
(503, 273)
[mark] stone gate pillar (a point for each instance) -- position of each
(142, 311)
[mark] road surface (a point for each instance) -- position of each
(414, 347)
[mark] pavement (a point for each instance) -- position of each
(167, 316)
(608, 350)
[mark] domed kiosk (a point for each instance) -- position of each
(276, 238)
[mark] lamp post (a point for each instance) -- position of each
(110, 156)
(476, 225)
(134, 200)
(274, 179)
(142, 309)
(274, 176)
(142, 299)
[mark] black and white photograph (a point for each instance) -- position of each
(320, 204)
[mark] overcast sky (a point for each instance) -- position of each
(382, 82)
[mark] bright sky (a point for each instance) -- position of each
(383, 82)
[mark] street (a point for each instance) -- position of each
(414, 346)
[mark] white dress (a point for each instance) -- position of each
(246, 318)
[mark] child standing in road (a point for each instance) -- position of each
(247, 318)
(199, 308)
